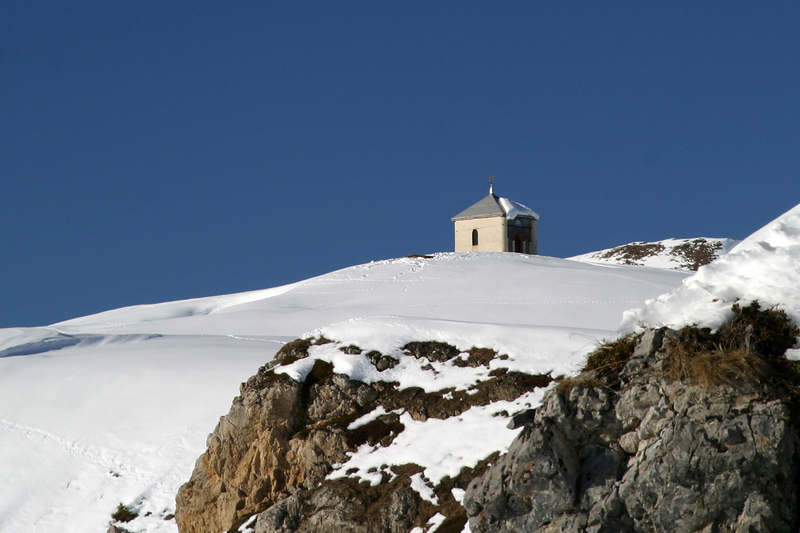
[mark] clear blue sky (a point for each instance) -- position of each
(154, 151)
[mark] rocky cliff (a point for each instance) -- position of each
(270, 460)
(668, 431)
(687, 430)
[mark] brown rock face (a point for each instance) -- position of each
(271, 454)
(274, 438)
(246, 462)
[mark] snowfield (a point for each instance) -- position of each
(115, 407)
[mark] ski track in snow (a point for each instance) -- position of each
(254, 339)
(92, 456)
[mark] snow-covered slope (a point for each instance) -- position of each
(677, 254)
(115, 407)
(765, 267)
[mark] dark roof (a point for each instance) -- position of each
(488, 207)
(495, 206)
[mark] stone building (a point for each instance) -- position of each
(496, 224)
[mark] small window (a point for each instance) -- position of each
(518, 223)
(474, 237)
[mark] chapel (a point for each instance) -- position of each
(496, 224)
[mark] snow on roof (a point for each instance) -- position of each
(514, 210)
(494, 206)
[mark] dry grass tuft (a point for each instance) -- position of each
(603, 366)
(749, 349)
(768, 332)
(608, 359)
(749, 352)
(717, 367)
(123, 514)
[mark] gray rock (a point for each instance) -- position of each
(282, 517)
(522, 418)
(653, 455)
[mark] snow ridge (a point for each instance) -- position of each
(765, 267)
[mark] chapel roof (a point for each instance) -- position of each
(495, 206)
(487, 207)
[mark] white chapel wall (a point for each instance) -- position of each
(491, 234)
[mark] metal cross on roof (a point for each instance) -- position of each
(491, 184)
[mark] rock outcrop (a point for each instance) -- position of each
(677, 254)
(689, 431)
(272, 454)
(641, 443)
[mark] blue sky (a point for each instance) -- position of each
(154, 151)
